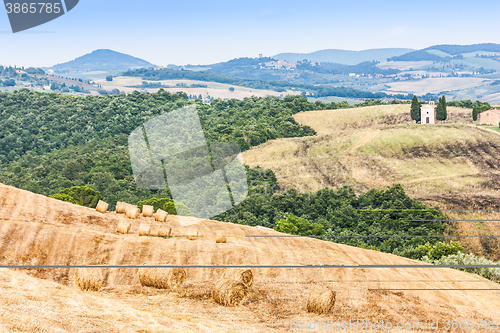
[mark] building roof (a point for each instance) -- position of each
(494, 111)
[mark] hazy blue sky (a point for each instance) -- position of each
(202, 32)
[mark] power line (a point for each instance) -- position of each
(375, 236)
(364, 266)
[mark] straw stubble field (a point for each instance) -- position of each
(36, 230)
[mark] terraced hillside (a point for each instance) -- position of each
(36, 230)
(453, 165)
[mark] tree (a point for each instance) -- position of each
(231, 89)
(109, 78)
(83, 195)
(64, 197)
(9, 82)
(439, 110)
(299, 226)
(445, 110)
(415, 109)
(441, 113)
(478, 109)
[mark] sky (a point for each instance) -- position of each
(203, 32)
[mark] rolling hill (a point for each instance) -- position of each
(36, 230)
(102, 60)
(345, 57)
(445, 52)
(452, 165)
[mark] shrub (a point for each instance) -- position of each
(63, 197)
(295, 225)
(432, 252)
(83, 195)
(468, 259)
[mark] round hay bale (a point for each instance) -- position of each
(190, 233)
(321, 301)
(89, 278)
(164, 231)
(147, 211)
(102, 207)
(144, 229)
(162, 278)
(192, 237)
(243, 275)
(123, 227)
(220, 239)
(133, 212)
(161, 215)
(229, 292)
(121, 207)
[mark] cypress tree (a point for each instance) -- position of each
(474, 114)
(443, 104)
(415, 109)
(439, 110)
(441, 113)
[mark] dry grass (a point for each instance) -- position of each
(162, 278)
(242, 275)
(32, 305)
(132, 212)
(147, 211)
(102, 207)
(399, 141)
(276, 296)
(161, 215)
(332, 121)
(144, 229)
(229, 292)
(382, 154)
(123, 227)
(90, 279)
(321, 301)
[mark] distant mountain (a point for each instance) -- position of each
(103, 60)
(345, 57)
(445, 52)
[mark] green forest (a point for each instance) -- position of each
(55, 144)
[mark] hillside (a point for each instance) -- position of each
(345, 57)
(452, 165)
(36, 230)
(102, 60)
(447, 52)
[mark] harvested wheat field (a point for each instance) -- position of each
(36, 230)
(451, 165)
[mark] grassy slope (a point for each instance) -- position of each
(452, 165)
(38, 230)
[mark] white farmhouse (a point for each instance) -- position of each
(428, 113)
